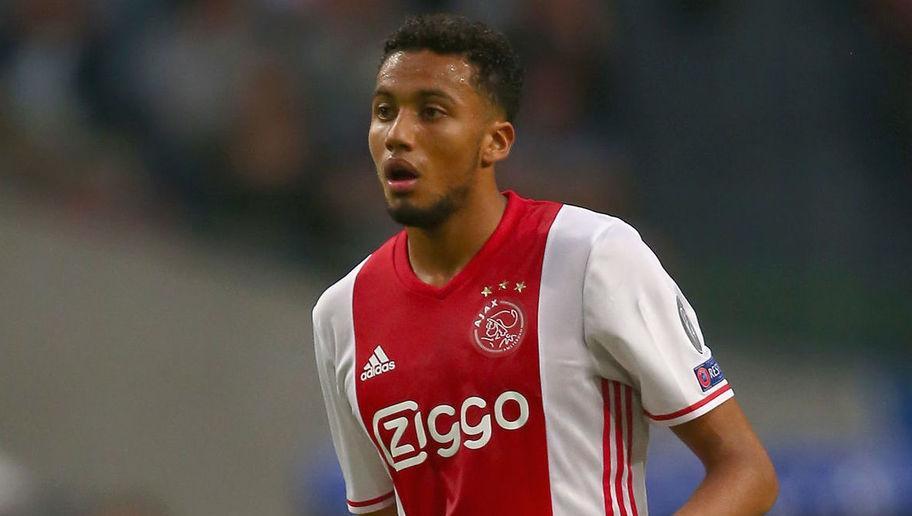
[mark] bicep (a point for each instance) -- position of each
(720, 434)
(740, 478)
(367, 481)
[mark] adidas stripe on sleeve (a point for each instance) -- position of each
(367, 482)
(635, 312)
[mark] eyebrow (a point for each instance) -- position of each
(424, 93)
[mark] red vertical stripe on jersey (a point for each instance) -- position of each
(618, 449)
(606, 448)
(628, 396)
(619, 446)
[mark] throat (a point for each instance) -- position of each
(439, 279)
(439, 255)
(437, 259)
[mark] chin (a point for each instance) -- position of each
(408, 213)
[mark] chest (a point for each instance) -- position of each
(437, 374)
(479, 340)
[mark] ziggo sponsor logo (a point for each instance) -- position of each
(398, 417)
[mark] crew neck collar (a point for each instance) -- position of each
(403, 267)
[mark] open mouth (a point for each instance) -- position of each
(400, 175)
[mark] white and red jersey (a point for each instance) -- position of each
(525, 385)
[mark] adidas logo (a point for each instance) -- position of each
(378, 364)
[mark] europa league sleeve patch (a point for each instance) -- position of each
(709, 374)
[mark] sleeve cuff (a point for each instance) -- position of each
(722, 393)
(374, 504)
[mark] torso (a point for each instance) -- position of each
(466, 372)
(483, 398)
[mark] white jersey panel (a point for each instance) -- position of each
(367, 482)
(597, 433)
(637, 320)
(573, 404)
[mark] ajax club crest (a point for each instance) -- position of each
(499, 327)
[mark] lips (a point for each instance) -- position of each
(401, 176)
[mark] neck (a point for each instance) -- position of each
(438, 254)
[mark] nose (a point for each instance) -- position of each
(401, 133)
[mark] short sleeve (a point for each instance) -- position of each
(368, 486)
(637, 320)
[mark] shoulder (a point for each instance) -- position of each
(336, 300)
(598, 232)
(338, 297)
(613, 252)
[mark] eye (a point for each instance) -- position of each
(384, 112)
(431, 113)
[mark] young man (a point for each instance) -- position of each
(502, 355)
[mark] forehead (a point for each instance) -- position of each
(409, 70)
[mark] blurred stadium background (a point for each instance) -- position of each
(179, 180)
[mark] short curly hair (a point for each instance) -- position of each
(498, 72)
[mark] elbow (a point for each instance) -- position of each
(772, 489)
(768, 485)
(760, 479)
(757, 484)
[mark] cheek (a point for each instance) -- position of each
(456, 143)
(460, 150)
(375, 141)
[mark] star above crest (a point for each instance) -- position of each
(494, 288)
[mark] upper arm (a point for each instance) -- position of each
(639, 325)
(721, 434)
(367, 482)
(389, 511)
(740, 477)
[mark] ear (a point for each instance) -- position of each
(497, 143)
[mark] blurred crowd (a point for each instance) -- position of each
(246, 121)
(774, 134)
(762, 140)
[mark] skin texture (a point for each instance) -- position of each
(740, 478)
(389, 511)
(428, 111)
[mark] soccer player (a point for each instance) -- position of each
(504, 356)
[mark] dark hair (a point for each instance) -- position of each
(498, 73)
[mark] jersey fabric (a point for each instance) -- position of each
(525, 385)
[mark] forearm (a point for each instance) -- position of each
(733, 487)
